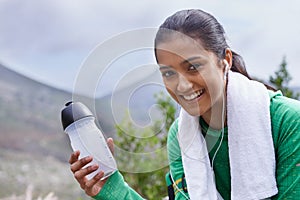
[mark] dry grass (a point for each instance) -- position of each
(21, 175)
(28, 196)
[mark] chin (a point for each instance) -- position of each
(193, 112)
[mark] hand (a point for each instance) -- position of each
(91, 187)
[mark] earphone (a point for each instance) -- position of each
(226, 68)
(222, 135)
(218, 148)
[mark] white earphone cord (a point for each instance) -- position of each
(212, 163)
(222, 136)
(173, 182)
(223, 113)
(222, 132)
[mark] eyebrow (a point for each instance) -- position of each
(190, 59)
(162, 67)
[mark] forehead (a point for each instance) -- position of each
(180, 48)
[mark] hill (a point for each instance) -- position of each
(34, 149)
(296, 89)
(29, 116)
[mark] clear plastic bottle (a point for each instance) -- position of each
(79, 123)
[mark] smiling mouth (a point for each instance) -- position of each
(193, 96)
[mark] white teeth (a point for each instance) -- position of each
(193, 96)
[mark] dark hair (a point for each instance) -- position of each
(202, 26)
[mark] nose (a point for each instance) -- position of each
(184, 84)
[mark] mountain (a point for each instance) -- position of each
(296, 89)
(29, 116)
(34, 150)
(30, 113)
(137, 99)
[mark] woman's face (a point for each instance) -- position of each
(192, 75)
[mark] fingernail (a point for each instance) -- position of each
(100, 175)
(88, 158)
(94, 166)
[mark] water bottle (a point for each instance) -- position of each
(79, 123)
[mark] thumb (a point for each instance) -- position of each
(110, 143)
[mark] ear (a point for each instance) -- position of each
(228, 57)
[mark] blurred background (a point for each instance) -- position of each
(44, 44)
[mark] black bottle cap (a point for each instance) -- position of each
(73, 112)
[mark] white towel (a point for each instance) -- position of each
(251, 151)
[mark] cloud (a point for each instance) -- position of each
(38, 35)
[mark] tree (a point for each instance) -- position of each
(281, 80)
(150, 184)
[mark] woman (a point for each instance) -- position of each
(251, 148)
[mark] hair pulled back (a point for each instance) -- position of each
(201, 26)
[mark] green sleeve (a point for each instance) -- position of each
(285, 114)
(116, 188)
(175, 162)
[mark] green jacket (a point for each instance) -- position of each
(285, 119)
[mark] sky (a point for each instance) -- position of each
(50, 40)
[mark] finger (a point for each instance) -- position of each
(89, 184)
(74, 157)
(80, 174)
(110, 143)
(80, 163)
(94, 185)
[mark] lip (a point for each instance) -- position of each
(194, 100)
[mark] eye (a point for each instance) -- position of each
(193, 67)
(168, 73)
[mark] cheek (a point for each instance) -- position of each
(215, 89)
(172, 94)
(170, 85)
